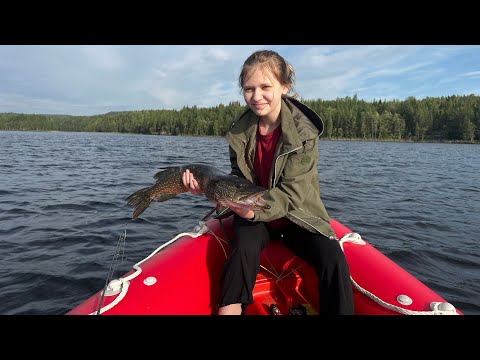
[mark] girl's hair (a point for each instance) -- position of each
(274, 63)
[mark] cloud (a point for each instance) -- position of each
(474, 74)
(105, 58)
(88, 80)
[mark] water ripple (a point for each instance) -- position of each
(416, 203)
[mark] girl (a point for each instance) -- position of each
(274, 144)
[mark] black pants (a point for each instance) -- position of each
(325, 255)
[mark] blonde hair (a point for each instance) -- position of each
(274, 63)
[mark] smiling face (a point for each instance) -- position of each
(263, 92)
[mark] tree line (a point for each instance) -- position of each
(452, 118)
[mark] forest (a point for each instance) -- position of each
(433, 119)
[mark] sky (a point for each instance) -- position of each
(97, 79)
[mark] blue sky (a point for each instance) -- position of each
(96, 79)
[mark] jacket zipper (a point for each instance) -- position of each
(275, 167)
(274, 182)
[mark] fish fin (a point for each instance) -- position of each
(223, 213)
(205, 218)
(166, 172)
(164, 197)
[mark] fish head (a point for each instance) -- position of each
(254, 200)
(241, 194)
(251, 199)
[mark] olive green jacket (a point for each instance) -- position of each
(293, 183)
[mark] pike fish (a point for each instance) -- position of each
(219, 187)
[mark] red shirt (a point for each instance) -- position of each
(264, 155)
(263, 162)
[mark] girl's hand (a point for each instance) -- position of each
(242, 212)
(190, 183)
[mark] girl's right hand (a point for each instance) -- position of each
(190, 183)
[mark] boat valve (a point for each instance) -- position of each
(444, 307)
(114, 287)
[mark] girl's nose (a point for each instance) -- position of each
(257, 95)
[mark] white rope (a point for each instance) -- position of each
(200, 230)
(357, 239)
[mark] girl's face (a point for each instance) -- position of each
(262, 93)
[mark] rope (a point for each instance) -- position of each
(357, 239)
(200, 230)
(121, 241)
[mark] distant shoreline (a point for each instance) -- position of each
(322, 138)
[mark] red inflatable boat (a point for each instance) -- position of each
(182, 277)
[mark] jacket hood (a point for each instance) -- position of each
(297, 106)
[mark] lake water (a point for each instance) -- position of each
(63, 209)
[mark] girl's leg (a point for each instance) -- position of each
(325, 255)
(242, 265)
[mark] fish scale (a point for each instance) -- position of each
(222, 189)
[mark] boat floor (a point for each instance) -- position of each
(283, 284)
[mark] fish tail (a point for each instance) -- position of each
(140, 199)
